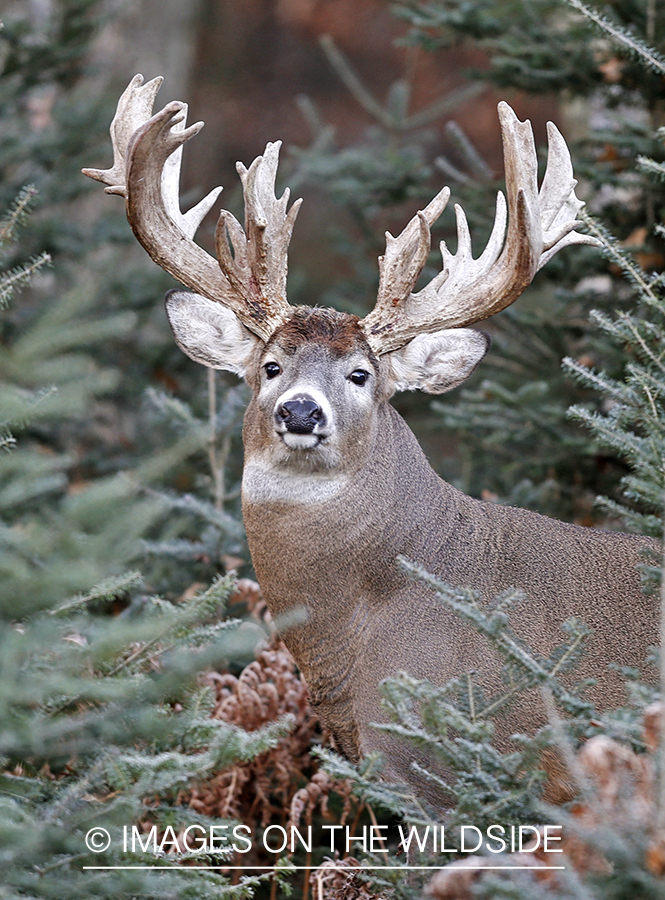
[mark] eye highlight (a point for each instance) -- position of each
(272, 369)
(359, 376)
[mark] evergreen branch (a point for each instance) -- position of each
(625, 328)
(7, 441)
(179, 624)
(628, 444)
(398, 799)
(520, 686)
(19, 277)
(17, 214)
(652, 404)
(107, 590)
(613, 251)
(641, 522)
(19, 492)
(563, 743)
(629, 323)
(353, 82)
(473, 159)
(69, 796)
(15, 406)
(170, 407)
(622, 37)
(648, 381)
(593, 379)
(450, 171)
(195, 506)
(442, 106)
(322, 134)
(645, 164)
(182, 549)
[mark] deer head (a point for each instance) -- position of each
(418, 340)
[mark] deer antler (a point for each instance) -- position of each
(468, 290)
(147, 154)
(258, 266)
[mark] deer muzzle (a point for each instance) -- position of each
(299, 415)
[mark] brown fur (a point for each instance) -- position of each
(366, 620)
(338, 332)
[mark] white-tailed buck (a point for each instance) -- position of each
(335, 485)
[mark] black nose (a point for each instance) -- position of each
(300, 415)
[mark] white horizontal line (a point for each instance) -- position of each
(305, 868)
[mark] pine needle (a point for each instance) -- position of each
(622, 37)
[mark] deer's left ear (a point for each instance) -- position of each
(436, 362)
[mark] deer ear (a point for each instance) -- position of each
(209, 333)
(436, 362)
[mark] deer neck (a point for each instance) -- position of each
(326, 543)
(327, 551)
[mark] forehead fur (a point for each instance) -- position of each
(339, 332)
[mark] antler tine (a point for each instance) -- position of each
(255, 260)
(406, 255)
(133, 109)
(467, 290)
(147, 155)
(557, 199)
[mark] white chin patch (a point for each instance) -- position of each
(300, 441)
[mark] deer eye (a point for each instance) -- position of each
(272, 369)
(360, 376)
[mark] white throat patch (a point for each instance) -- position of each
(264, 484)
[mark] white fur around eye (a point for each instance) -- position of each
(209, 333)
(437, 362)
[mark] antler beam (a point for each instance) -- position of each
(147, 155)
(539, 223)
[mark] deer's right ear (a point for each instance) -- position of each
(209, 333)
